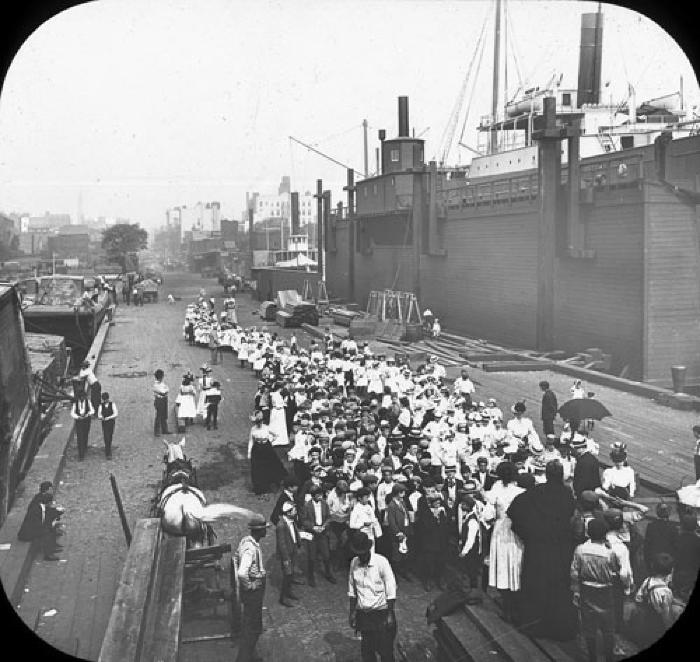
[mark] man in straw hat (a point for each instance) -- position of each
(372, 593)
(251, 579)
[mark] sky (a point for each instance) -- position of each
(136, 106)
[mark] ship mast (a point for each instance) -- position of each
(496, 76)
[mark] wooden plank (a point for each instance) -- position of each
(490, 356)
(164, 612)
(123, 638)
(514, 644)
(517, 366)
(216, 551)
(456, 628)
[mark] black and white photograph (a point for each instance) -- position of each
(349, 331)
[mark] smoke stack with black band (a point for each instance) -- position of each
(590, 59)
(403, 117)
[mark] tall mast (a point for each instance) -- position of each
(496, 73)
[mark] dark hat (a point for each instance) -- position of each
(360, 543)
(258, 522)
(579, 442)
(589, 497)
(618, 452)
(398, 489)
(613, 517)
(596, 529)
(316, 489)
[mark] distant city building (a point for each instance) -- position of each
(71, 241)
(269, 208)
(47, 221)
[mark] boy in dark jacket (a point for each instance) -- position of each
(661, 536)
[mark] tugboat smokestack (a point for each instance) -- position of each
(403, 117)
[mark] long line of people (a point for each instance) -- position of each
(433, 475)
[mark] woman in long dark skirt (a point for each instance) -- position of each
(266, 468)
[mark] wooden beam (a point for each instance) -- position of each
(164, 613)
(124, 636)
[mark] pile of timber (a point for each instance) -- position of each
(145, 621)
(477, 633)
(343, 316)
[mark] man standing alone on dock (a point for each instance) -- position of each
(160, 402)
(107, 413)
(549, 408)
(81, 412)
(696, 456)
(252, 580)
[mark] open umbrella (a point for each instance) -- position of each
(580, 409)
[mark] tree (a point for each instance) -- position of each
(122, 239)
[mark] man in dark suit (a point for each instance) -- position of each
(451, 487)
(587, 470)
(549, 408)
(288, 542)
(398, 525)
(315, 519)
(290, 487)
(486, 480)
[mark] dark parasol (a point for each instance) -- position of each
(582, 408)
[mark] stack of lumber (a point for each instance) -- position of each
(145, 621)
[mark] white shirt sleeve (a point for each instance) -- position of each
(387, 575)
(471, 535)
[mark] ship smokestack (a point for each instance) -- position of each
(403, 117)
(590, 59)
(295, 212)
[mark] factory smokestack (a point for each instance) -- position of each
(295, 212)
(403, 117)
(590, 58)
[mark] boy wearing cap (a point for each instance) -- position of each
(315, 520)
(363, 517)
(661, 535)
(594, 569)
(252, 578)
(288, 543)
(470, 544)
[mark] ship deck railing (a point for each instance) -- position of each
(608, 171)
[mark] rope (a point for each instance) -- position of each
(471, 95)
(448, 134)
(515, 51)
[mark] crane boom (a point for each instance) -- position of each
(325, 156)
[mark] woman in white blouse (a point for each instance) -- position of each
(520, 426)
(620, 474)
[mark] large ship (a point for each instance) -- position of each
(592, 241)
